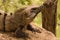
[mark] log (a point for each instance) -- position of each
(44, 35)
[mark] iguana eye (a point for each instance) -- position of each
(25, 14)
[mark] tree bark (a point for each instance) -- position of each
(49, 15)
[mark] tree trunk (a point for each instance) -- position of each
(49, 16)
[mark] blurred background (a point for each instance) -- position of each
(13, 5)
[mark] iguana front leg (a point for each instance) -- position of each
(20, 32)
